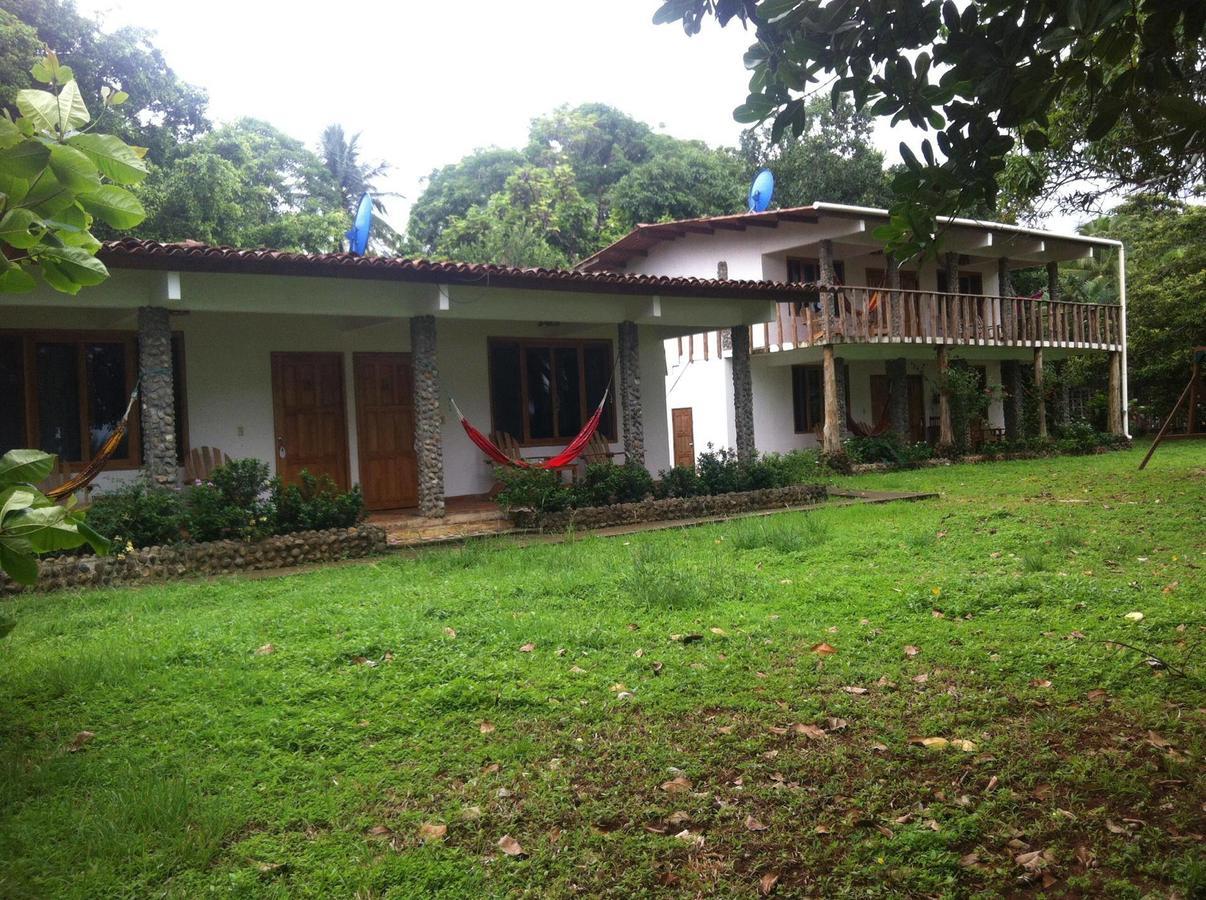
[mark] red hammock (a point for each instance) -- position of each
(572, 451)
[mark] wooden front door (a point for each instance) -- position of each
(309, 415)
(385, 429)
(684, 437)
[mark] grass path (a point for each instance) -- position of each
(675, 725)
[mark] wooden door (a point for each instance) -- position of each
(309, 415)
(683, 423)
(916, 409)
(385, 429)
(879, 401)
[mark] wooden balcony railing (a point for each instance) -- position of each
(869, 315)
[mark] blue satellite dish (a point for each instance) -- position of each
(761, 191)
(358, 234)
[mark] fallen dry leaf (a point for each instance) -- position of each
(1135, 616)
(1097, 694)
(835, 724)
(879, 748)
(1158, 741)
(527, 648)
(430, 831)
(265, 650)
(510, 846)
(688, 837)
(812, 732)
(1115, 828)
(678, 785)
(767, 883)
(854, 689)
(719, 632)
(823, 649)
(922, 678)
(485, 727)
(363, 661)
(964, 745)
(821, 829)
(560, 651)
(752, 824)
(379, 831)
(638, 653)
(686, 638)
(1040, 683)
(450, 632)
(932, 742)
(726, 729)
(911, 650)
(471, 812)
(577, 670)
(80, 739)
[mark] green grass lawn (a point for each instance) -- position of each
(647, 713)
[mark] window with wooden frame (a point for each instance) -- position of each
(969, 282)
(65, 392)
(807, 399)
(806, 270)
(878, 278)
(543, 391)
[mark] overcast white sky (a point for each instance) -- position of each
(427, 83)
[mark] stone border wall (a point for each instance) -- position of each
(210, 558)
(939, 461)
(671, 508)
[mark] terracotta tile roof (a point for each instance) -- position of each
(193, 256)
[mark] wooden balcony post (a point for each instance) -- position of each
(832, 435)
(1039, 398)
(1114, 414)
(1015, 391)
(896, 312)
(828, 279)
(946, 433)
(1005, 292)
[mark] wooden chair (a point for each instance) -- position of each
(59, 476)
(598, 450)
(201, 462)
(507, 444)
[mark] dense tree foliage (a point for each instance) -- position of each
(981, 75)
(833, 160)
(57, 177)
(538, 219)
(628, 174)
(161, 111)
(1165, 242)
(248, 185)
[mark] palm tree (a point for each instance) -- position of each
(341, 156)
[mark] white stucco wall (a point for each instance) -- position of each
(228, 378)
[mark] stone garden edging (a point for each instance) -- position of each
(671, 508)
(200, 559)
(939, 461)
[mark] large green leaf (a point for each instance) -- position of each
(114, 205)
(48, 196)
(74, 168)
(15, 280)
(25, 466)
(25, 160)
(72, 110)
(10, 134)
(19, 566)
(47, 528)
(15, 497)
(40, 107)
(116, 160)
(20, 228)
(67, 269)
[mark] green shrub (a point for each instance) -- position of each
(680, 481)
(232, 504)
(795, 467)
(719, 471)
(879, 448)
(139, 513)
(1081, 437)
(540, 490)
(596, 487)
(314, 504)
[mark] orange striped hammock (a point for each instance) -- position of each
(571, 452)
(97, 464)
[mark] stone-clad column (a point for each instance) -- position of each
(158, 423)
(429, 447)
(743, 393)
(898, 397)
(630, 393)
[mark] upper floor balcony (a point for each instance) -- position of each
(850, 314)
